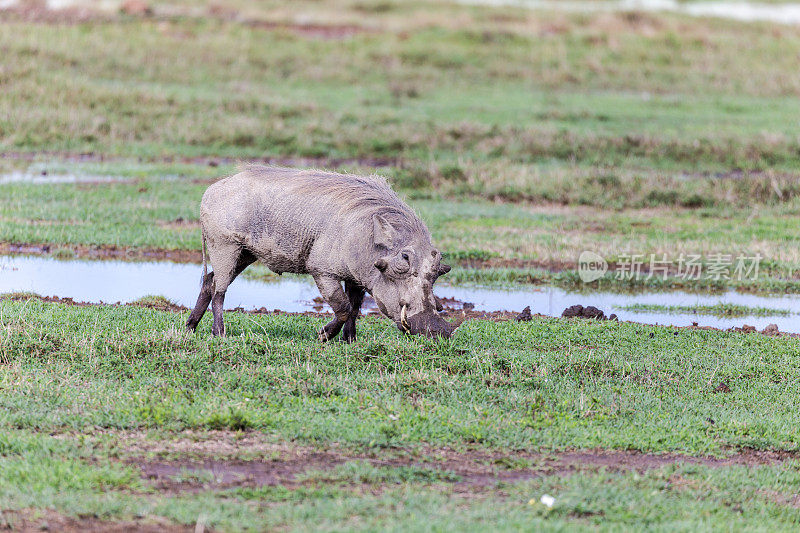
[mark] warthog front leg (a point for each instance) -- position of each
(217, 301)
(331, 290)
(356, 296)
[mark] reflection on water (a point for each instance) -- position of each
(120, 281)
(746, 11)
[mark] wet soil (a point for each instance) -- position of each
(458, 314)
(48, 520)
(467, 470)
(210, 160)
(112, 252)
(80, 251)
(38, 11)
(199, 460)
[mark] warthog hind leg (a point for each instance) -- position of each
(202, 302)
(222, 279)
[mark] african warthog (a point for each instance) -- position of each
(336, 227)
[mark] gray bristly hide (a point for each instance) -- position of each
(336, 227)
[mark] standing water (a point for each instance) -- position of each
(784, 13)
(121, 281)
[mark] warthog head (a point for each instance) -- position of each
(406, 268)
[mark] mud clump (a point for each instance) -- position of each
(771, 329)
(590, 311)
(525, 315)
(722, 388)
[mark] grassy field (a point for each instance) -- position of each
(614, 132)
(518, 242)
(393, 430)
(522, 138)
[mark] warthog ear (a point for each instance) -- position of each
(381, 264)
(443, 269)
(382, 232)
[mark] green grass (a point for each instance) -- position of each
(614, 385)
(617, 133)
(427, 94)
(91, 374)
(673, 497)
(720, 310)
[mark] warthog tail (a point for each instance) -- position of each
(205, 263)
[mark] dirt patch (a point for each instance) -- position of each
(209, 160)
(318, 31)
(181, 476)
(49, 520)
(790, 500)
(38, 11)
(201, 460)
(104, 252)
(466, 470)
(551, 265)
(22, 296)
(81, 12)
(179, 223)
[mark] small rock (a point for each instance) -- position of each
(572, 311)
(722, 387)
(748, 329)
(467, 306)
(525, 315)
(772, 329)
(613, 316)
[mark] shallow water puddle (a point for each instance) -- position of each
(745, 11)
(121, 281)
(55, 179)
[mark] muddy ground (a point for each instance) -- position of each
(111, 252)
(193, 462)
(464, 471)
(30, 520)
(454, 311)
(220, 459)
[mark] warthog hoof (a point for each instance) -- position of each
(323, 335)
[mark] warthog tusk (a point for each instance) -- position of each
(403, 321)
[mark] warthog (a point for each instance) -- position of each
(338, 228)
